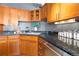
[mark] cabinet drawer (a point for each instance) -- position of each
(34, 38)
(13, 37)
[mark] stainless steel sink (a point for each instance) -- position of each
(33, 33)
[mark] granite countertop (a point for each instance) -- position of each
(60, 45)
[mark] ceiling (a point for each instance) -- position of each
(27, 6)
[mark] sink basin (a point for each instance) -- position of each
(33, 33)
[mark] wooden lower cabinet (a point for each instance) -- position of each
(25, 48)
(13, 45)
(23, 45)
(3, 46)
(29, 45)
(41, 47)
(32, 46)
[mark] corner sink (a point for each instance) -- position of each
(33, 33)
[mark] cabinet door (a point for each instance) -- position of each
(53, 12)
(6, 16)
(13, 46)
(35, 15)
(27, 15)
(42, 13)
(49, 12)
(13, 17)
(29, 46)
(21, 15)
(69, 10)
(46, 9)
(25, 48)
(3, 46)
(1, 14)
(41, 49)
(34, 48)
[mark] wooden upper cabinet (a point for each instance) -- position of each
(27, 15)
(43, 11)
(69, 10)
(20, 15)
(53, 12)
(35, 15)
(62, 11)
(6, 16)
(1, 14)
(24, 15)
(49, 5)
(13, 16)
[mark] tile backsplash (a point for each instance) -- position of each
(27, 26)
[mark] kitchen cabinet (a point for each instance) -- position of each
(13, 45)
(6, 16)
(25, 48)
(35, 15)
(34, 46)
(41, 15)
(41, 47)
(69, 10)
(3, 46)
(27, 15)
(1, 28)
(20, 15)
(62, 11)
(1, 14)
(24, 15)
(29, 45)
(13, 17)
(53, 12)
(43, 12)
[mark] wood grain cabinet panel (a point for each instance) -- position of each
(29, 45)
(13, 46)
(43, 12)
(62, 11)
(41, 47)
(3, 46)
(27, 15)
(6, 16)
(20, 15)
(25, 48)
(69, 10)
(1, 14)
(13, 16)
(49, 12)
(53, 12)
(35, 15)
